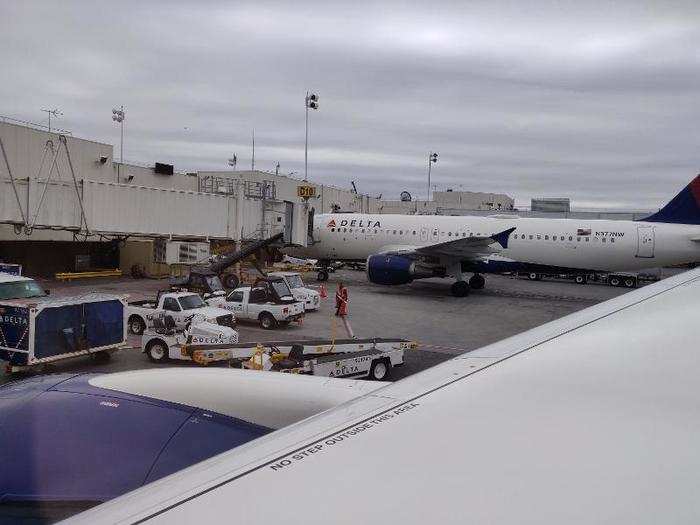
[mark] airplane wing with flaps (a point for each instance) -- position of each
(590, 418)
(461, 248)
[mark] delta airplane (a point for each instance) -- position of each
(592, 418)
(401, 248)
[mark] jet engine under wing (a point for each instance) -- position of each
(590, 418)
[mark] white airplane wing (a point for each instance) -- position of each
(593, 418)
(461, 248)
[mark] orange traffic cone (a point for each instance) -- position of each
(322, 291)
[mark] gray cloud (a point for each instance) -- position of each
(596, 101)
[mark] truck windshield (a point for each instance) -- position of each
(190, 302)
(294, 281)
(281, 288)
(20, 290)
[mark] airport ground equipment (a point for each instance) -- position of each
(260, 304)
(69, 276)
(36, 329)
(13, 269)
(207, 278)
(311, 298)
(163, 340)
(181, 306)
(372, 357)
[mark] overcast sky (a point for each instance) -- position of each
(598, 102)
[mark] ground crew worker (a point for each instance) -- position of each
(341, 308)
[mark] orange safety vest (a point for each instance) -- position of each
(341, 302)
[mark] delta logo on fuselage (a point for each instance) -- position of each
(352, 223)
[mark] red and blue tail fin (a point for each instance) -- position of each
(684, 208)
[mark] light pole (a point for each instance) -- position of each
(277, 169)
(55, 112)
(232, 162)
(432, 158)
(118, 116)
(311, 101)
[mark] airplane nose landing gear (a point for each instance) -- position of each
(477, 282)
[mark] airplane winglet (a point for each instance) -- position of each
(502, 238)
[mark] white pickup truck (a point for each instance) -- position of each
(258, 304)
(311, 298)
(181, 306)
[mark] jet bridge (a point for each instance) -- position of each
(46, 191)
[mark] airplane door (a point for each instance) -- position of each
(424, 234)
(645, 241)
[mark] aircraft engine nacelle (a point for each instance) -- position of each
(395, 269)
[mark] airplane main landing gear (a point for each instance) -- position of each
(323, 271)
(477, 282)
(460, 289)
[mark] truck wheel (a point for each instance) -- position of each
(630, 282)
(380, 371)
(322, 276)
(534, 276)
(267, 321)
(614, 280)
(231, 281)
(136, 325)
(581, 279)
(157, 351)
